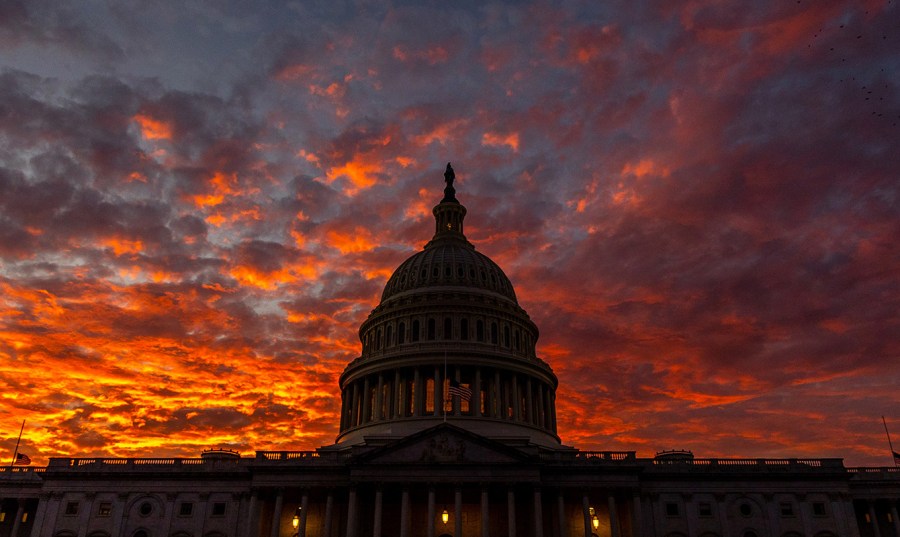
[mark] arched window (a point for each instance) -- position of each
(401, 333)
(389, 332)
(494, 334)
(516, 341)
(464, 329)
(479, 330)
(415, 330)
(378, 341)
(448, 327)
(506, 336)
(431, 329)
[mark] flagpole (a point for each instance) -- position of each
(890, 445)
(16, 452)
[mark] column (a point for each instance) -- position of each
(376, 523)
(329, 507)
(772, 518)
(496, 398)
(379, 399)
(396, 397)
(541, 408)
(553, 411)
(43, 500)
(546, 399)
(517, 408)
(404, 514)
(417, 393)
(586, 515)
(20, 510)
(529, 402)
(457, 510)
(366, 402)
(506, 400)
(613, 516)
(253, 515)
(354, 412)
(276, 514)
(403, 401)
(636, 514)
(561, 512)
(84, 514)
(438, 392)
(538, 514)
(304, 511)
(345, 396)
(476, 394)
(431, 513)
(511, 511)
(485, 513)
(894, 518)
(876, 531)
(723, 515)
(351, 513)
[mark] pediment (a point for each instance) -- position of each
(444, 444)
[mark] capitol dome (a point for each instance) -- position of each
(448, 342)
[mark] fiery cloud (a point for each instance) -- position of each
(696, 204)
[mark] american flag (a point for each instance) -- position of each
(463, 392)
(896, 458)
(22, 459)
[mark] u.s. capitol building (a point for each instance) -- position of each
(448, 428)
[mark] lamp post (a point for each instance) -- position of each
(445, 517)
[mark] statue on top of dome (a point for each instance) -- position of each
(449, 191)
(449, 176)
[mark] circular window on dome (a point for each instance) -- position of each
(745, 509)
(145, 509)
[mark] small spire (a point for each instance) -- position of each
(449, 191)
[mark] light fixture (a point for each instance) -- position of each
(591, 511)
(595, 521)
(445, 517)
(295, 522)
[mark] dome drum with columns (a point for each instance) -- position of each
(448, 316)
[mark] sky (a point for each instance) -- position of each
(698, 204)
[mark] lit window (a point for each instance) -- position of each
(105, 509)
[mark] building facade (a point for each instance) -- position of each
(448, 428)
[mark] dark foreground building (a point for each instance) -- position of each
(448, 428)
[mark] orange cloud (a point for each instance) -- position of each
(358, 240)
(495, 139)
(153, 129)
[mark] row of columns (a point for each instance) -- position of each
(405, 393)
(873, 518)
(353, 521)
(20, 513)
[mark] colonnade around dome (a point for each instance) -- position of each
(421, 392)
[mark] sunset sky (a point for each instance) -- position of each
(697, 202)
